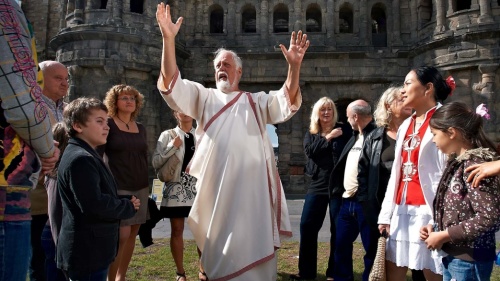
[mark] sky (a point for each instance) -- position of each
(271, 131)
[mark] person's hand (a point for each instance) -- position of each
(136, 202)
(297, 49)
(425, 231)
(164, 18)
(177, 141)
(386, 227)
(437, 239)
(337, 132)
(48, 164)
(481, 171)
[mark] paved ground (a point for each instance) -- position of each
(162, 229)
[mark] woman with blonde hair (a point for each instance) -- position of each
(323, 144)
(126, 153)
(377, 157)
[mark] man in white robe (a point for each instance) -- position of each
(240, 210)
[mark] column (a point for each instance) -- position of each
(264, 27)
(198, 29)
(117, 15)
(485, 9)
(396, 29)
(230, 21)
(78, 16)
(297, 18)
(365, 24)
(330, 27)
(440, 16)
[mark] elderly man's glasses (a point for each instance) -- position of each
(126, 99)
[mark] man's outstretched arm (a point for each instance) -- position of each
(168, 32)
(294, 55)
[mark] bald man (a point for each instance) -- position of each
(55, 87)
(350, 220)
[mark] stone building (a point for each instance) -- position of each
(358, 48)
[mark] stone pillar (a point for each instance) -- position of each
(264, 19)
(297, 12)
(414, 18)
(78, 16)
(365, 23)
(475, 5)
(451, 7)
(117, 14)
(485, 8)
(330, 27)
(486, 86)
(198, 29)
(440, 16)
(64, 13)
(396, 29)
(230, 21)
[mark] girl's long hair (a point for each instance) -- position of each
(459, 116)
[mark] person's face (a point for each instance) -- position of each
(445, 141)
(183, 118)
(55, 82)
(326, 113)
(413, 91)
(227, 75)
(126, 102)
(352, 118)
(397, 108)
(95, 130)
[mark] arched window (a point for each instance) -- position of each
(424, 12)
(137, 6)
(280, 18)
(379, 26)
(345, 19)
(313, 18)
(103, 5)
(217, 19)
(463, 5)
(248, 20)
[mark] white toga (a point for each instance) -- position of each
(240, 209)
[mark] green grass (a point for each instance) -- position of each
(156, 263)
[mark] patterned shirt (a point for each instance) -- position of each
(471, 215)
(24, 125)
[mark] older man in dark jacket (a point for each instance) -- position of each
(343, 186)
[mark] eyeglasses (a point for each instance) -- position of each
(126, 99)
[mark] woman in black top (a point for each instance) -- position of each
(323, 144)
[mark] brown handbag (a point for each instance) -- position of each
(378, 270)
(166, 173)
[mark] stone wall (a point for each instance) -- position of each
(103, 47)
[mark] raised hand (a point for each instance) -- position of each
(297, 49)
(164, 18)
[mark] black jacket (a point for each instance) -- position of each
(323, 154)
(368, 175)
(92, 211)
(336, 186)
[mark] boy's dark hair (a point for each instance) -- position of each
(78, 111)
(429, 74)
(459, 116)
(61, 136)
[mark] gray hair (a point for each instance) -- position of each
(363, 110)
(237, 59)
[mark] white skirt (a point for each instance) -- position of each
(404, 247)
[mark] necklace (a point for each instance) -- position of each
(126, 124)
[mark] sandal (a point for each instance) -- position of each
(202, 276)
(180, 276)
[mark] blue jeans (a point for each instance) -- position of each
(460, 270)
(51, 270)
(313, 215)
(99, 275)
(15, 250)
(351, 223)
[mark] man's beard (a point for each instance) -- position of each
(225, 87)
